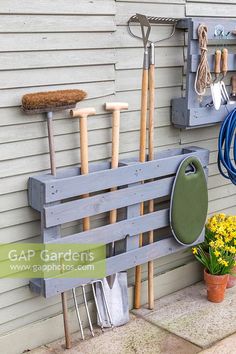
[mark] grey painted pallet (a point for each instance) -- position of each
(51, 196)
(188, 112)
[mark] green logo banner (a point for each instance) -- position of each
(31, 260)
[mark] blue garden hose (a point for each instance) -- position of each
(227, 139)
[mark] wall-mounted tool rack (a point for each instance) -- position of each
(51, 196)
(188, 112)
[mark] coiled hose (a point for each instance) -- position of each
(227, 139)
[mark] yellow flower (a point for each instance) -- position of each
(212, 244)
(217, 253)
(194, 250)
(225, 263)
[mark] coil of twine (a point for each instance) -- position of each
(203, 75)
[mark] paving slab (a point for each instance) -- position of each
(189, 315)
(226, 346)
(137, 337)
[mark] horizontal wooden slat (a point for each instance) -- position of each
(222, 203)
(53, 76)
(55, 41)
(133, 58)
(79, 185)
(13, 201)
(54, 59)
(118, 263)
(211, 10)
(70, 7)
(18, 216)
(134, 82)
(124, 40)
(119, 230)
(101, 203)
(70, 154)
(20, 231)
(52, 23)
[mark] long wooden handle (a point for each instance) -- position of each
(84, 160)
(143, 118)
(54, 172)
(115, 154)
(217, 68)
(151, 157)
(83, 114)
(142, 158)
(224, 61)
(115, 107)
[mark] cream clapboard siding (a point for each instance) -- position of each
(48, 45)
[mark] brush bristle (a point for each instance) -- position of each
(52, 99)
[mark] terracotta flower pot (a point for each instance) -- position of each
(216, 285)
(232, 279)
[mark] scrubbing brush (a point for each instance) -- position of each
(49, 102)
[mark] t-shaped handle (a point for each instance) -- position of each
(82, 112)
(116, 106)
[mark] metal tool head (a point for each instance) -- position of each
(115, 299)
(146, 21)
(155, 20)
(142, 19)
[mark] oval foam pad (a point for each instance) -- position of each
(189, 201)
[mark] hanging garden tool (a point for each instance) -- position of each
(233, 88)
(224, 70)
(49, 102)
(83, 114)
(115, 286)
(148, 81)
(146, 29)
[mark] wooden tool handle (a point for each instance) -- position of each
(51, 144)
(217, 68)
(115, 107)
(142, 158)
(233, 85)
(83, 115)
(66, 320)
(224, 61)
(143, 117)
(151, 157)
(83, 112)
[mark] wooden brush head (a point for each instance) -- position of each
(52, 100)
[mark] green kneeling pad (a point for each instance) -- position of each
(189, 202)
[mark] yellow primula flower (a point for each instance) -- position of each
(194, 250)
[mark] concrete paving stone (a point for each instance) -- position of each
(137, 337)
(188, 314)
(226, 346)
(41, 350)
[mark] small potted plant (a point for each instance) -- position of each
(217, 254)
(224, 226)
